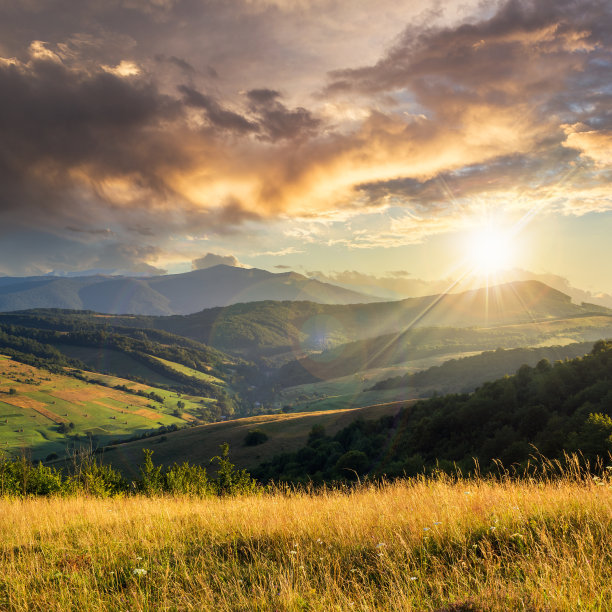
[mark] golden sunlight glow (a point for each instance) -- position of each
(490, 250)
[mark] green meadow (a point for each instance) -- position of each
(43, 413)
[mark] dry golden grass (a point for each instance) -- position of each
(416, 545)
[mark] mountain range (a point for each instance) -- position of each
(170, 294)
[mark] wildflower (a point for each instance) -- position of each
(380, 545)
(319, 541)
(139, 571)
(293, 552)
(413, 578)
(491, 528)
(425, 528)
(437, 522)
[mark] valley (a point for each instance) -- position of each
(278, 367)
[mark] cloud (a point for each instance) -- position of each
(302, 118)
(393, 285)
(218, 116)
(277, 122)
(122, 69)
(212, 259)
(593, 144)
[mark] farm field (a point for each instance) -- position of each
(286, 432)
(467, 545)
(43, 413)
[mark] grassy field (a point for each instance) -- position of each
(36, 405)
(178, 367)
(286, 432)
(116, 362)
(471, 545)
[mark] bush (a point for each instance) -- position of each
(255, 437)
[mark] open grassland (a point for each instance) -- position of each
(413, 545)
(286, 433)
(105, 359)
(43, 413)
(182, 369)
(190, 405)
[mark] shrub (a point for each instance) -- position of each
(255, 437)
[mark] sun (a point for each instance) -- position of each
(490, 250)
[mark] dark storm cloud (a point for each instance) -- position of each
(262, 96)
(218, 116)
(277, 122)
(177, 61)
(480, 60)
(57, 122)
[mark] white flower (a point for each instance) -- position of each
(491, 528)
(413, 578)
(139, 571)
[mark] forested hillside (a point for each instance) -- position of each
(554, 408)
(465, 374)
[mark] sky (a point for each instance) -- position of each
(357, 140)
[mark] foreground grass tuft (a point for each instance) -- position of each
(412, 545)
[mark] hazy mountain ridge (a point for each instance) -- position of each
(273, 327)
(182, 294)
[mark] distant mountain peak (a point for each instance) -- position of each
(183, 293)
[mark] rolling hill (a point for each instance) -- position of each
(46, 414)
(552, 409)
(272, 328)
(417, 344)
(186, 293)
(200, 443)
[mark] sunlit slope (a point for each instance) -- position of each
(286, 432)
(43, 413)
(284, 330)
(274, 327)
(417, 344)
(461, 373)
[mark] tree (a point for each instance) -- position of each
(352, 463)
(255, 437)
